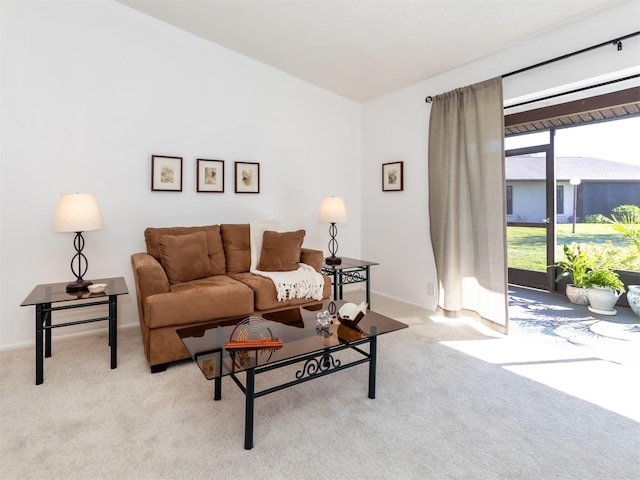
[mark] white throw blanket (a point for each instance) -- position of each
(304, 282)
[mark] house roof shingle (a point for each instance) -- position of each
(585, 168)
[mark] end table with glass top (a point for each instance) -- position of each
(351, 270)
(43, 296)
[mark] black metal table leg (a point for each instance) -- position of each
(39, 346)
(373, 347)
(113, 329)
(217, 388)
(47, 329)
(368, 288)
(248, 415)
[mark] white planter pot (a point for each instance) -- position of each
(602, 300)
(577, 295)
(633, 297)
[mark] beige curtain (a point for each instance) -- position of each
(467, 202)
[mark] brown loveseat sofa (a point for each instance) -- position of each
(194, 275)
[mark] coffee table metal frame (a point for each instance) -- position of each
(316, 361)
(317, 364)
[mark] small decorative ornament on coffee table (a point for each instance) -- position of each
(252, 341)
(253, 333)
(323, 320)
(350, 314)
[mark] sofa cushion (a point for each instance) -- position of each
(266, 295)
(280, 251)
(217, 261)
(237, 247)
(184, 257)
(257, 230)
(202, 300)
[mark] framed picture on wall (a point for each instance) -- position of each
(247, 177)
(210, 175)
(166, 173)
(392, 177)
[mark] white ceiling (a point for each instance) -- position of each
(361, 49)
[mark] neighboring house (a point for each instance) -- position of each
(604, 185)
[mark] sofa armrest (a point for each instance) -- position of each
(313, 258)
(149, 276)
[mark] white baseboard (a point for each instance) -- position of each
(359, 288)
(83, 333)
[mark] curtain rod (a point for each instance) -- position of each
(617, 42)
(574, 91)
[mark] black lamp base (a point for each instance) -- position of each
(78, 286)
(80, 267)
(333, 260)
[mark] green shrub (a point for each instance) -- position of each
(616, 257)
(596, 218)
(626, 220)
(630, 211)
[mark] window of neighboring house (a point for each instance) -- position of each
(560, 200)
(509, 200)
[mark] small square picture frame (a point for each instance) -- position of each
(247, 177)
(209, 175)
(393, 177)
(166, 173)
(210, 363)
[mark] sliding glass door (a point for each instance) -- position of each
(531, 209)
(573, 186)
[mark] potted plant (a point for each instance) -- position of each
(626, 220)
(605, 287)
(576, 266)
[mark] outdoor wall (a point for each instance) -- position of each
(529, 202)
(567, 213)
(395, 225)
(90, 90)
(602, 197)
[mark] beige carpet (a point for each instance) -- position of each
(452, 403)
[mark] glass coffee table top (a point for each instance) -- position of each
(295, 327)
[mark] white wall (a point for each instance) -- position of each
(90, 90)
(395, 229)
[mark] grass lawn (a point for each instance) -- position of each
(526, 246)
